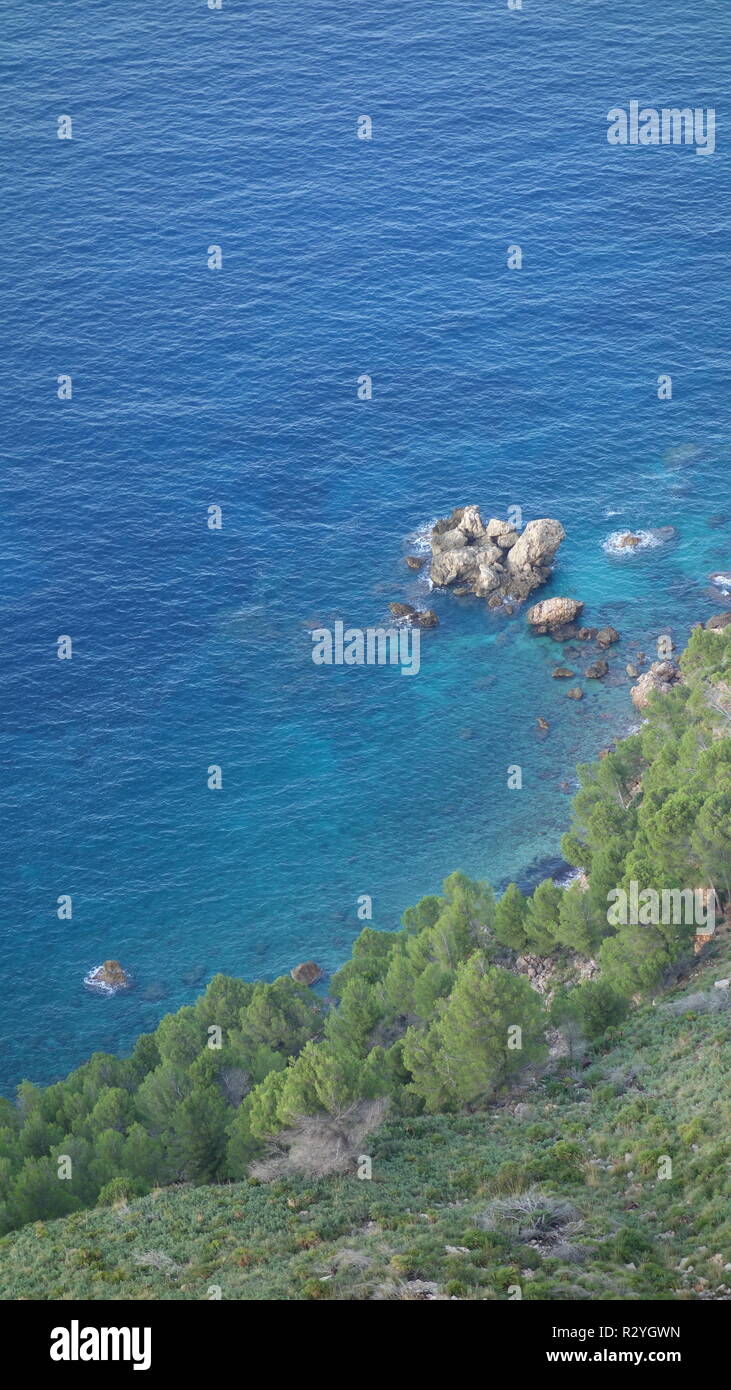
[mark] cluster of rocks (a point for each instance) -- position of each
(493, 560)
(556, 618)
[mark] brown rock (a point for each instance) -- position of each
(562, 673)
(307, 973)
(542, 723)
(111, 974)
(575, 693)
(401, 610)
(628, 540)
(426, 619)
(606, 636)
(632, 670)
(415, 562)
(597, 671)
(586, 634)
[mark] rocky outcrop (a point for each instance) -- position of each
(401, 610)
(111, 975)
(415, 562)
(493, 559)
(662, 676)
(718, 622)
(416, 617)
(553, 613)
(629, 541)
(307, 973)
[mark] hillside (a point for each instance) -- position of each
(509, 1097)
(446, 1206)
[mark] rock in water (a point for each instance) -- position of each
(537, 545)
(562, 673)
(110, 974)
(629, 541)
(606, 636)
(597, 671)
(401, 610)
(553, 613)
(426, 619)
(417, 618)
(415, 562)
(493, 559)
(307, 973)
(575, 693)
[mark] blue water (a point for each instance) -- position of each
(194, 387)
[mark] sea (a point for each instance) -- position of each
(202, 135)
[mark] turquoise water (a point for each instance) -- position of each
(192, 387)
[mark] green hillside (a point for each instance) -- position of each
(514, 1097)
(562, 1201)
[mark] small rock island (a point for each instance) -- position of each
(111, 975)
(493, 561)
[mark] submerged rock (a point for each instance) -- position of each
(308, 973)
(606, 636)
(562, 673)
(597, 671)
(575, 693)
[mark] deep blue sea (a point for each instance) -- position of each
(194, 387)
